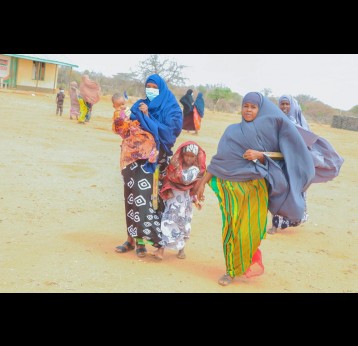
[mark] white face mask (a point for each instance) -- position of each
(151, 93)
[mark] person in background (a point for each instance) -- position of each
(198, 111)
(60, 97)
(188, 117)
(248, 182)
(326, 160)
(75, 105)
(185, 169)
(159, 114)
(89, 95)
(89, 112)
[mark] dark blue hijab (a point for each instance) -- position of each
(187, 102)
(165, 119)
(200, 104)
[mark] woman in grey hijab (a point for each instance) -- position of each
(326, 160)
(248, 181)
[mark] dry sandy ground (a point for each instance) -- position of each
(62, 214)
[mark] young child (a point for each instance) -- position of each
(137, 143)
(185, 169)
(60, 97)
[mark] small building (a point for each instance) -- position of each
(37, 72)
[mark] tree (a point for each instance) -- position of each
(354, 110)
(219, 93)
(169, 70)
(127, 82)
(302, 99)
(67, 75)
(267, 92)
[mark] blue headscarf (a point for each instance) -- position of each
(165, 119)
(200, 104)
(187, 102)
(271, 130)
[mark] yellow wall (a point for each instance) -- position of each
(24, 75)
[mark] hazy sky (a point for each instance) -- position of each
(330, 78)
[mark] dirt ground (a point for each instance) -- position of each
(62, 214)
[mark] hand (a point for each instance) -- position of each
(200, 193)
(252, 155)
(144, 108)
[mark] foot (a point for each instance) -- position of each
(158, 254)
(141, 250)
(225, 280)
(125, 247)
(181, 254)
(272, 230)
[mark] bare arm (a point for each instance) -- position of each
(200, 191)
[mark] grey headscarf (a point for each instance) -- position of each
(295, 113)
(326, 160)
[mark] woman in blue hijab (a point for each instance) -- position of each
(198, 111)
(248, 181)
(160, 114)
(187, 101)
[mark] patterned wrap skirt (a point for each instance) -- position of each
(244, 208)
(143, 222)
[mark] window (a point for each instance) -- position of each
(38, 70)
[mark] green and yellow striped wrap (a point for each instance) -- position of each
(243, 207)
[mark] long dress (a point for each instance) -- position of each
(198, 111)
(178, 214)
(75, 105)
(178, 200)
(188, 114)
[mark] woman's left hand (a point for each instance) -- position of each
(144, 108)
(252, 155)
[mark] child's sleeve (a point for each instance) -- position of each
(120, 125)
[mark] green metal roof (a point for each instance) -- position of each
(57, 59)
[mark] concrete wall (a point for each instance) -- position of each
(345, 122)
(25, 81)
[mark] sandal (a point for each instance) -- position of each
(225, 280)
(125, 247)
(141, 251)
